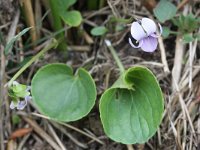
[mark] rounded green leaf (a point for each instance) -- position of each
(132, 115)
(98, 31)
(72, 18)
(165, 10)
(62, 96)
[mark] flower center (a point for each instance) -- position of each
(134, 41)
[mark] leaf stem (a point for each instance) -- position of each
(53, 44)
(57, 24)
(113, 52)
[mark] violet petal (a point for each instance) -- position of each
(131, 43)
(137, 31)
(149, 44)
(21, 104)
(12, 105)
(148, 25)
(28, 98)
(159, 33)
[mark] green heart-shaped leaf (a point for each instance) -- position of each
(61, 95)
(72, 18)
(132, 115)
(165, 10)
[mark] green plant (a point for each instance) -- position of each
(61, 95)
(60, 12)
(131, 110)
(165, 10)
(10, 43)
(98, 31)
(187, 24)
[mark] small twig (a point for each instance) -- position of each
(23, 141)
(182, 4)
(129, 147)
(198, 127)
(182, 103)
(41, 132)
(90, 23)
(153, 63)
(56, 137)
(100, 11)
(114, 11)
(82, 132)
(2, 89)
(176, 71)
(114, 54)
(163, 55)
(159, 137)
(63, 130)
(46, 5)
(13, 27)
(121, 39)
(71, 127)
(38, 17)
(191, 58)
(192, 52)
(87, 37)
(30, 18)
(191, 141)
(184, 110)
(179, 54)
(81, 48)
(4, 25)
(195, 72)
(175, 134)
(11, 145)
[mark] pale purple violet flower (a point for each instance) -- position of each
(20, 104)
(144, 32)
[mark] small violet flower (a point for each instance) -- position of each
(20, 104)
(18, 91)
(144, 33)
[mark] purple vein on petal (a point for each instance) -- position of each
(21, 104)
(149, 26)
